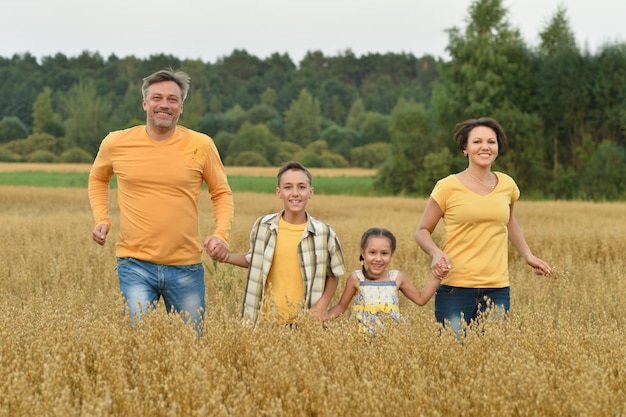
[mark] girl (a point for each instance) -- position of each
(376, 287)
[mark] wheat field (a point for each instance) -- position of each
(66, 348)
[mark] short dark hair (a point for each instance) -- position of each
(179, 77)
(463, 130)
(294, 165)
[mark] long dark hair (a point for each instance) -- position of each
(378, 232)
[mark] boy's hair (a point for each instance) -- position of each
(179, 77)
(295, 166)
(463, 130)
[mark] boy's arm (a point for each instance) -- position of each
(237, 259)
(320, 309)
(419, 297)
(348, 293)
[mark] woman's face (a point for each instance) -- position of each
(482, 146)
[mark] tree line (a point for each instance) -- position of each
(563, 107)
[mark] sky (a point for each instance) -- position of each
(209, 30)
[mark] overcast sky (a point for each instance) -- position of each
(209, 29)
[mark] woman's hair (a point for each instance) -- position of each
(463, 130)
(378, 232)
(294, 165)
(179, 77)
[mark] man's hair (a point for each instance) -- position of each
(179, 77)
(295, 166)
(463, 130)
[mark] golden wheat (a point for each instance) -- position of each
(66, 349)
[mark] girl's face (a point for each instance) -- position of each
(376, 256)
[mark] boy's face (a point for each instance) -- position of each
(295, 190)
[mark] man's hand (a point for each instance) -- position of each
(99, 233)
(217, 249)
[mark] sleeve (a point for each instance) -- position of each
(440, 194)
(221, 194)
(253, 234)
(337, 265)
(98, 185)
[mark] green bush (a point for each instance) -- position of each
(41, 156)
(75, 156)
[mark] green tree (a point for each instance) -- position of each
(257, 138)
(356, 115)
(562, 88)
(411, 140)
(12, 128)
(43, 114)
(302, 120)
(87, 117)
(371, 155)
(343, 139)
(604, 173)
(484, 71)
(375, 128)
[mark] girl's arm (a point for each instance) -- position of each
(419, 297)
(517, 239)
(352, 286)
(440, 265)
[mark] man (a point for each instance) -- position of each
(160, 169)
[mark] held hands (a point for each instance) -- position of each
(440, 265)
(99, 233)
(217, 249)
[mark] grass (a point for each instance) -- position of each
(331, 185)
(66, 348)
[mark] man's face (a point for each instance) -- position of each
(163, 105)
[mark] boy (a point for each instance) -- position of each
(294, 260)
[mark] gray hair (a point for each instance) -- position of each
(179, 77)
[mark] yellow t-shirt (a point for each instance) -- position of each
(158, 189)
(284, 288)
(476, 234)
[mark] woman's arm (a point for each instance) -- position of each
(517, 239)
(440, 264)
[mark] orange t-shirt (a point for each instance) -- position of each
(158, 185)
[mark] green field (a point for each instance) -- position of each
(346, 185)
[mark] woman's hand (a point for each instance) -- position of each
(440, 265)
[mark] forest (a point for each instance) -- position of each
(562, 106)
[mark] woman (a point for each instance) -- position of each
(476, 206)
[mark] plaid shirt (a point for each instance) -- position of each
(319, 253)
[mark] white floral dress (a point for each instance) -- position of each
(376, 300)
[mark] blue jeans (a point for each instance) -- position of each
(455, 304)
(181, 286)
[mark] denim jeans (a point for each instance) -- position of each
(452, 303)
(181, 286)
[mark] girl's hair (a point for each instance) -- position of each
(463, 130)
(378, 232)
